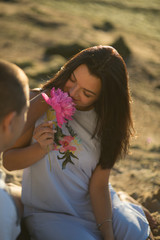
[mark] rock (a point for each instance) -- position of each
(155, 149)
(9, 178)
(132, 175)
(43, 23)
(157, 195)
(121, 46)
(152, 204)
(66, 51)
(24, 64)
(134, 195)
(44, 75)
(11, 1)
(106, 27)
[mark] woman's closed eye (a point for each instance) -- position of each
(71, 79)
(86, 94)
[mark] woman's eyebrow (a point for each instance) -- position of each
(89, 91)
(83, 88)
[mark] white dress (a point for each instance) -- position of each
(55, 193)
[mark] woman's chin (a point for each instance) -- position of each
(83, 108)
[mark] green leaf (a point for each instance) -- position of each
(61, 157)
(58, 135)
(72, 155)
(65, 162)
(71, 131)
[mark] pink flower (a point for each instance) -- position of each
(65, 142)
(62, 104)
(149, 140)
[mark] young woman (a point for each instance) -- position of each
(72, 198)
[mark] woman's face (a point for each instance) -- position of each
(83, 87)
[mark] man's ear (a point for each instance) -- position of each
(8, 121)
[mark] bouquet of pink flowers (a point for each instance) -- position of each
(64, 108)
(62, 104)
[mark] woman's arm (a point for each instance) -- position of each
(101, 202)
(37, 108)
(22, 156)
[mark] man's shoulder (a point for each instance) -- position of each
(6, 201)
(9, 222)
(2, 179)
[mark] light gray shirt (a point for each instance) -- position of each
(9, 225)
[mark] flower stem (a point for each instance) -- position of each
(49, 158)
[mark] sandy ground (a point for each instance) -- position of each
(139, 177)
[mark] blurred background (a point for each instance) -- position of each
(40, 35)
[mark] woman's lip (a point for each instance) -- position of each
(74, 99)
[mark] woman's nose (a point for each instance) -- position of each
(73, 91)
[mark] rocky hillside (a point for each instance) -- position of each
(41, 35)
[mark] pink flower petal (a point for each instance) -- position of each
(46, 98)
(62, 104)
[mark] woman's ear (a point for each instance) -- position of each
(7, 122)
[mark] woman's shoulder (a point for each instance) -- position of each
(34, 92)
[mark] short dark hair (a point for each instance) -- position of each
(12, 88)
(114, 122)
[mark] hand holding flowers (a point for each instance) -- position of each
(44, 135)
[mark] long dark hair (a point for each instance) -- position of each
(114, 123)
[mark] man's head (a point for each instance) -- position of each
(14, 95)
